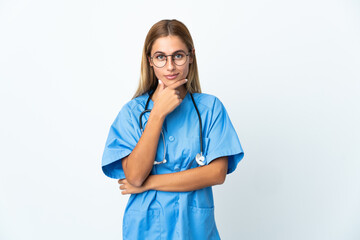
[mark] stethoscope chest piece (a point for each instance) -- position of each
(200, 159)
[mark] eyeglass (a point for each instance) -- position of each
(160, 59)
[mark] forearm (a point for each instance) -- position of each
(191, 179)
(137, 166)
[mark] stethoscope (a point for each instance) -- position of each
(200, 159)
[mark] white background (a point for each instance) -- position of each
(286, 71)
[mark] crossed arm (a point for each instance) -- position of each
(138, 164)
(189, 180)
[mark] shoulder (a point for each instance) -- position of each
(135, 104)
(208, 100)
(132, 108)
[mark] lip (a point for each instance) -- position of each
(170, 77)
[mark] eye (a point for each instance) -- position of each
(179, 55)
(160, 57)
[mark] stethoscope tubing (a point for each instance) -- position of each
(200, 123)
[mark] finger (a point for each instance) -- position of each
(124, 192)
(178, 83)
(120, 181)
(122, 187)
(161, 85)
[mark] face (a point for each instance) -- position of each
(171, 72)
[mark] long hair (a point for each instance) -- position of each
(164, 28)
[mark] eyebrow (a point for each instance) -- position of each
(180, 50)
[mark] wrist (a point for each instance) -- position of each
(159, 116)
(148, 184)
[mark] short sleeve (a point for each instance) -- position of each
(223, 139)
(121, 140)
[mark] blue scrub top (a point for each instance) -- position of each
(173, 215)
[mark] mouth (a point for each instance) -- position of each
(170, 77)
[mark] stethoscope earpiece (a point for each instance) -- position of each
(163, 161)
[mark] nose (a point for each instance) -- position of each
(170, 63)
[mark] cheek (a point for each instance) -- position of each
(185, 71)
(157, 72)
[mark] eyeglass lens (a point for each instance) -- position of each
(160, 59)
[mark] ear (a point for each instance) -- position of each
(191, 55)
(150, 61)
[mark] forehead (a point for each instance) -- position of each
(168, 44)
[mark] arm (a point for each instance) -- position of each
(188, 180)
(138, 164)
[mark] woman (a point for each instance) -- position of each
(169, 158)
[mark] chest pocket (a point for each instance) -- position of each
(193, 148)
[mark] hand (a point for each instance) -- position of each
(128, 188)
(168, 98)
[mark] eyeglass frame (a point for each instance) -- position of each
(172, 58)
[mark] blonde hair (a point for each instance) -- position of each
(164, 28)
